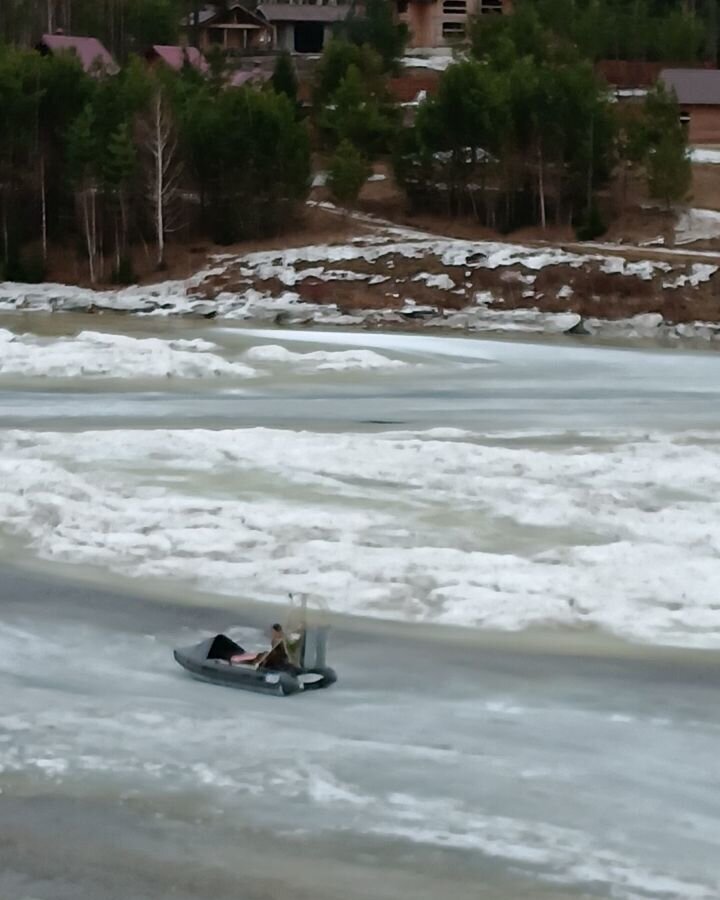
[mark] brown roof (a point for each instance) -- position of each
(628, 73)
(694, 87)
(302, 12)
(209, 12)
(176, 57)
(240, 78)
(89, 51)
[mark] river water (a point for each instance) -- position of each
(516, 541)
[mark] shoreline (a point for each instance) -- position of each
(375, 274)
(648, 330)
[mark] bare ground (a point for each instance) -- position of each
(587, 290)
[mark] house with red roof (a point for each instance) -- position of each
(94, 57)
(176, 57)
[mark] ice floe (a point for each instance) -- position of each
(572, 536)
(323, 360)
(98, 355)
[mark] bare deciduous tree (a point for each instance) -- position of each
(163, 168)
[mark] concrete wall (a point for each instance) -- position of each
(285, 36)
(442, 23)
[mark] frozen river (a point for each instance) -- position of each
(518, 543)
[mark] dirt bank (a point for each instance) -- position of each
(401, 269)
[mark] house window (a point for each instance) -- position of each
(402, 6)
(491, 6)
(455, 7)
(216, 35)
(453, 29)
(685, 118)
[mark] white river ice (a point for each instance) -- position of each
(520, 544)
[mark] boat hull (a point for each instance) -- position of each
(247, 678)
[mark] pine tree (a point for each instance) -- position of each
(667, 163)
(669, 171)
(347, 173)
(251, 158)
(83, 155)
(284, 79)
(119, 166)
(377, 28)
(356, 114)
(151, 22)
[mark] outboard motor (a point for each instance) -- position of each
(313, 652)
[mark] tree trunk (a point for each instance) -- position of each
(163, 171)
(541, 188)
(159, 173)
(89, 209)
(88, 235)
(196, 23)
(43, 189)
(6, 238)
(123, 222)
(591, 164)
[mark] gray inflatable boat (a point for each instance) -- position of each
(212, 660)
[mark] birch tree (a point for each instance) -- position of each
(163, 168)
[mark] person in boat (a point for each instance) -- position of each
(277, 635)
(277, 652)
(277, 655)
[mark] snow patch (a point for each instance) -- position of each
(442, 281)
(437, 63)
(702, 155)
(697, 225)
(698, 274)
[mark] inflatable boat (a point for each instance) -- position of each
(220, 660)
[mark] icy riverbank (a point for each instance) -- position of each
(398, 277)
